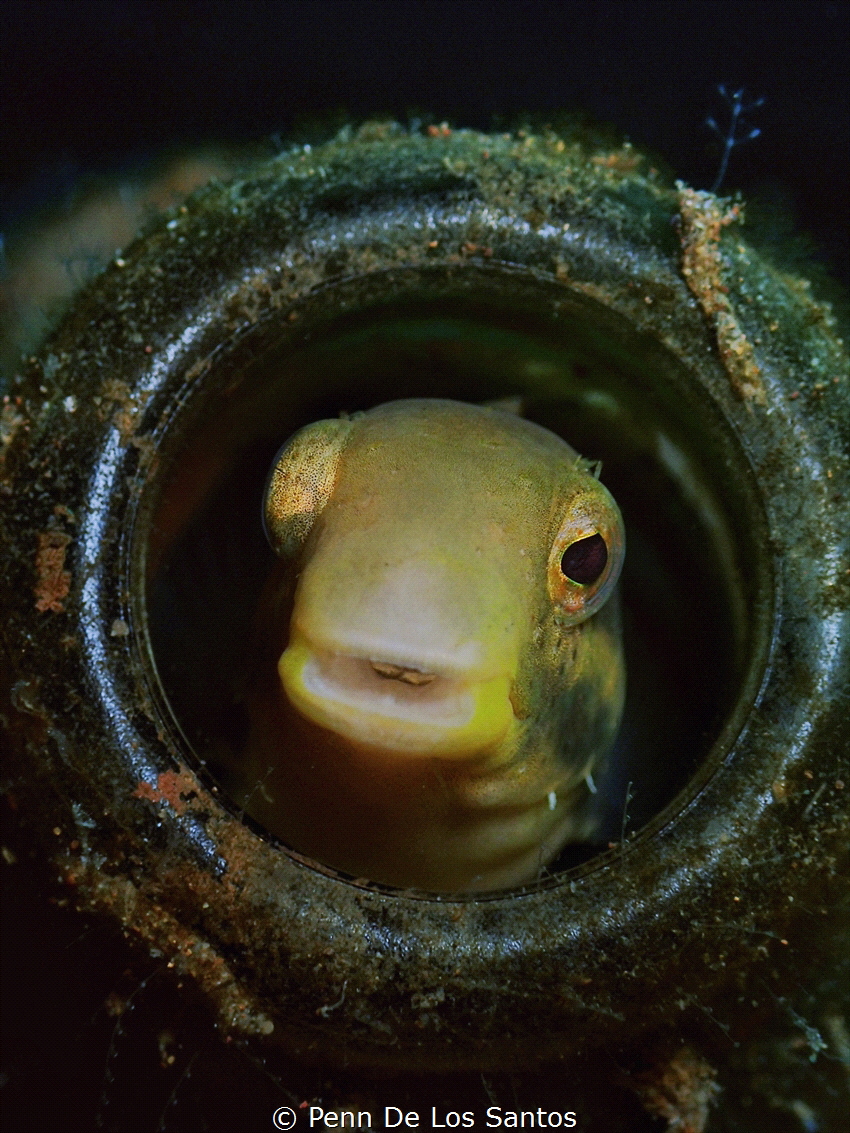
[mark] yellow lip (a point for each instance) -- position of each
(445, 717)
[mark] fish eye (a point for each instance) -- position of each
(585, 560)
(586, 557)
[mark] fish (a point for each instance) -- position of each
(443, 667)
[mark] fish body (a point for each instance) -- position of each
(451, 673)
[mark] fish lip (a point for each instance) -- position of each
(344, 676)
(346, 694)
(461, 662)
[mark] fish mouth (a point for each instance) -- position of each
(391, 672)
(380, 703)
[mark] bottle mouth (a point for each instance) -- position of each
(689, 588)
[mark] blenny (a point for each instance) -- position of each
(444, 661)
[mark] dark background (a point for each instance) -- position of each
(102, 87)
